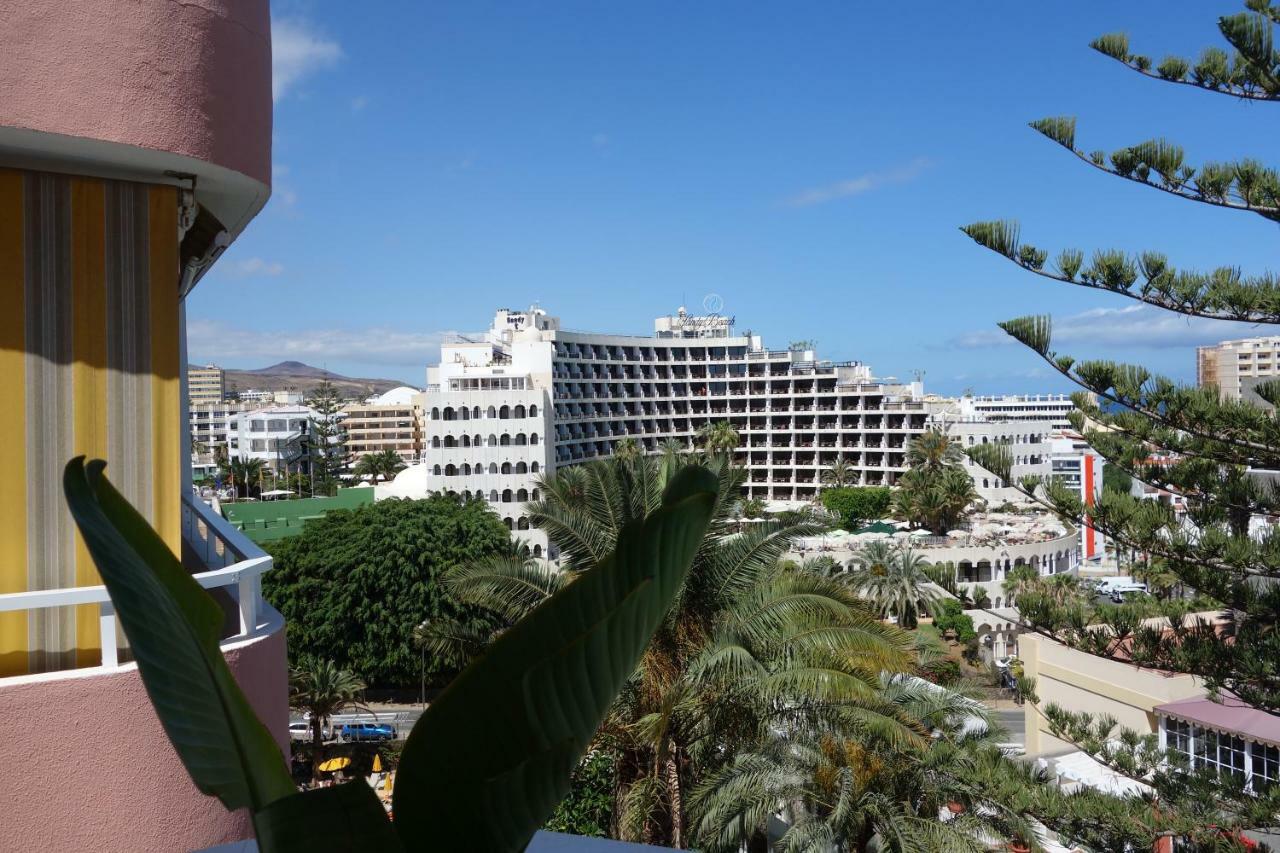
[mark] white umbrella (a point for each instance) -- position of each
(921, 532)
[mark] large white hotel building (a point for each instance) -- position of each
(528, 397)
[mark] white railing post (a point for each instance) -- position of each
(107, 635)
(248, 586)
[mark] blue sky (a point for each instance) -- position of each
(808, 162)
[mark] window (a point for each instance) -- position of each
(1266, 766)
(506, 467)
(277, 425)
(533, 468)
(533, 438)
(258, 445)
(436, 470)
(1221, 752)
(533, 411)
(257, 426)
(493, 468)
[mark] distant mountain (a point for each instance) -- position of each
(296, 376)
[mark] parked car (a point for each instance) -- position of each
(300, 731)
(367, 731)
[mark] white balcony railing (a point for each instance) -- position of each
(235, 564)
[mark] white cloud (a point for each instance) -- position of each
(256, 266)
(861, 184)
(1140, 326)
(391, 347)
(297, 51)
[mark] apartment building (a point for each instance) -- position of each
(206, 384)
(211, 426)
(391, 421)
(135, 146)
(1234, 367)
(529, 397)
(276, 435)
(1051, 409)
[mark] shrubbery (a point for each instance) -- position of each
(857, 505)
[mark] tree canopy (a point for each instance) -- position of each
(855, 506)
(355, 584)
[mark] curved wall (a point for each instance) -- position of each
(190, 78)
(100, 773)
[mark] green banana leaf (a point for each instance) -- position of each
(173, 625)
(343, 819)
(492, 756)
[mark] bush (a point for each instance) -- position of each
(588, 810)
(856, 505)
(951, 617)
(354, 584)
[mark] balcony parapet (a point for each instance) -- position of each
(235, 564)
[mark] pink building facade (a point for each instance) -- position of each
(135, 146)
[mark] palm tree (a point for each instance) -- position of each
(242, 474)
(718, 438)
(857, 793)
(626, 448)
(383, 464)
(749, 645)
(840, 473)
(933, 449)
(895, 582)
(320, 689)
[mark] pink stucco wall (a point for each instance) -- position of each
(191, 77)
(85, 764)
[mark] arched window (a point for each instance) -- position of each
(493, 496)
(450, 471)
(510, 524)
(493, 440)
(522, 468)
(466, 470)
(521, 439)
(435, 441)
(997, 602)
(436, 470)
(506, 467)
(534, 494)
(533, 468)
(466, 440)
(450, 441)
(464, 414)
(493, 413)
(537, 550)
(476, 440)
(479, 495)
(522, 524)
(522, 495)
(518, 412)
(986, 483)
(475, 413)
(435, 413)
(493, 467)
(449, 413)
(505, 440)
(533, 438)
(533, 411)
(506, 496)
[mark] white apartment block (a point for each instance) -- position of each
(211, 426)
(272, 434)
(531, 397)
(1234, 367)
(1051, 409)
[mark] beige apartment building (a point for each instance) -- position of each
(1234, 367)
(205, 384)
(377, 426)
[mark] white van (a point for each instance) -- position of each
(1121, 584)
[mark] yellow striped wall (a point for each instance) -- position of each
(89, 364)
